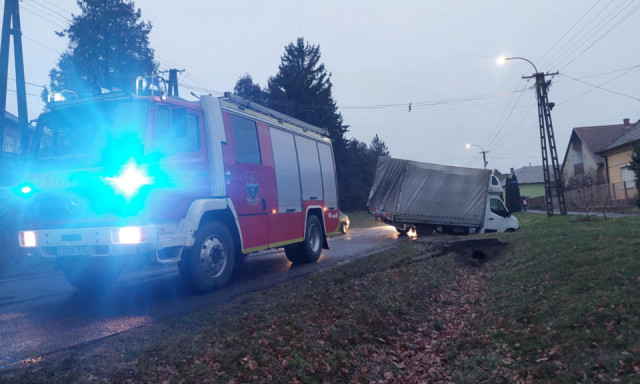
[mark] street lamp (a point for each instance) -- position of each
(501, 60)
(544, 120)
(484, 153)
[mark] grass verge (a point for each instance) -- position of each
(355, 323)
(560, 305)
(564, 305)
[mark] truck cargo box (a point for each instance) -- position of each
(407, 191)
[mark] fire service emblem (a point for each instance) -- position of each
(252, 188)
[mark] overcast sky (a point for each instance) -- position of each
(383, 55)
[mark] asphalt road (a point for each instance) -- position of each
(41, 313)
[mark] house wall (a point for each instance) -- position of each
(616, 159)
(578, 151)
(532, 190)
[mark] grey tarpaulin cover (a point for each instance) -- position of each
(416, 192)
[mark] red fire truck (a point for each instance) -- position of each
(120, 176)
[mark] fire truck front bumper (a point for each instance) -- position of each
(89, 242)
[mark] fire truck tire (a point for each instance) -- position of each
(309, 250)
(91, 275)
(209, 263)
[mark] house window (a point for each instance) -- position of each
(628, 177)
(578, 169)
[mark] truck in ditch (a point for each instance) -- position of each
(426, 197)
(121, 176)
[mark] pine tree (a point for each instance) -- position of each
(378, 147)
(108, 48)
(302, 89)
(247, 89)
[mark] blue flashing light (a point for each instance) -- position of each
(130, 180)
(25, 190)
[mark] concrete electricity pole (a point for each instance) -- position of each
(11, 27)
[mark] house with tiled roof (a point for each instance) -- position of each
(582, 155)
(530, 180)
(617, 157)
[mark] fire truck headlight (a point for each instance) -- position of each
(28, 239)
(129, 235)
(130, 180)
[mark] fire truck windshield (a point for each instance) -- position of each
(85, 131)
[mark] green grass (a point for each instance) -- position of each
(560, 304)
(565, 304)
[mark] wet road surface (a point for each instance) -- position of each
(42, 313)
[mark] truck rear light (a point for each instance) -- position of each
(27, 239)
(128, 235)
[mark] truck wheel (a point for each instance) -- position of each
(209, 263)
(402, 232)
(309, 250)
(91, 275)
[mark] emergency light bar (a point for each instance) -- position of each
(61, 96)
(150, 86)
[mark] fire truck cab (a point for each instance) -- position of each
(120, 176)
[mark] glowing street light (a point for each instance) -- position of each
(502, 59)
(484, 153)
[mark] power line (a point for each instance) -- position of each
(61, 16)
(59, 7)
(53, 19)
(594, 31)
(41, 44)
(27, 93)
(28, 83)
(562, 49)
(603, 88)
(492, 136)
(570, 29)
(605, 34)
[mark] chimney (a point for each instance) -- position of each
(627, 124)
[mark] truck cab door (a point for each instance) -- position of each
(496, 216)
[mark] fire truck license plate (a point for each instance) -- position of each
(73, 251)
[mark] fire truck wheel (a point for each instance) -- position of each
(209, 264)
(309, 250)
(91, 275)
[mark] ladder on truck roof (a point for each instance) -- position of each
(275, 114)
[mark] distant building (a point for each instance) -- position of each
(11, 142)
(582, 154)
(617, 157)
(530, 180)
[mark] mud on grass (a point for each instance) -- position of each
(368, 321)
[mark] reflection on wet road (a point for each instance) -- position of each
(42, 313)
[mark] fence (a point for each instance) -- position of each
(621, 194)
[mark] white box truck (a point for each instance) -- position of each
(426, 197)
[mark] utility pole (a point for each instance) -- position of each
(544, 120)
(173, 81)
(484, 158)
(11, 27)
(484, 153)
